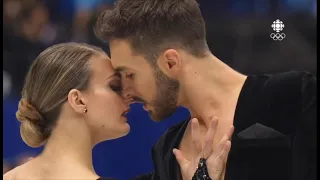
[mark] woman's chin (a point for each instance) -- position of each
(125, 129)
(121, 131)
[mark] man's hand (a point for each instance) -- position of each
(216, 159)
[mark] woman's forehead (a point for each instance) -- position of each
(101, 66)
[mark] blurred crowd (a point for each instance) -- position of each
(238, 32)
(30, 26)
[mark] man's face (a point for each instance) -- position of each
(146, 84)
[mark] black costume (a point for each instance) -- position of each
(275, 132)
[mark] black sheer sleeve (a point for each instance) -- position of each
(304, 144)
(145, 177)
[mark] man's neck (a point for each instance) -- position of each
(208, 88)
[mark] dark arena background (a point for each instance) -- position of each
(245, 34)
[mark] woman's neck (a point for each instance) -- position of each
(69, 143)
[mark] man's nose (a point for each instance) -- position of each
(127, 95)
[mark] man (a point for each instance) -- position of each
(160, 49)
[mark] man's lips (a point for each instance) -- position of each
(145, 107)
(125, 112)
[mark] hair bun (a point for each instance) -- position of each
(30, 118)
(27, 112)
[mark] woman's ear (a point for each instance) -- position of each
(77, 101)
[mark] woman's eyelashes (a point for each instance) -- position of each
(116, 86)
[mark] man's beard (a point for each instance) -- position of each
(165, 102)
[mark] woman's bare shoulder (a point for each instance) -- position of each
(10, 174)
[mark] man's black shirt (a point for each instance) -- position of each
(275, 132)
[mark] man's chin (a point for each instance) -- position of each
(158, 117)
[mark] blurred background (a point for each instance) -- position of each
(238, 32)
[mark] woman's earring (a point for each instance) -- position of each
(85, 110)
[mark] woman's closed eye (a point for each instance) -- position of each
(116, 86)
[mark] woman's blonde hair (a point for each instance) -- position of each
(56, 71)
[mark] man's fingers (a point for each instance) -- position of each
(223, 141)
(224, 154)
(217, 164)
(180, 158)
(230, 132)
(208, 142)
(195, 136)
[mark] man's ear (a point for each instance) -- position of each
(170, 63)
(77, 100)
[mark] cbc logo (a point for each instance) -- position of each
(277, 26)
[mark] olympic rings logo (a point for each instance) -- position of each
(278, 36)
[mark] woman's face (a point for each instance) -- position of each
(105, 106)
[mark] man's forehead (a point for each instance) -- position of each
(120, 69)
(120, 47)
(120, 64)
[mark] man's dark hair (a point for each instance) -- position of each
(152, 26)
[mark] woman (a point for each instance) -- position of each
(71, 101)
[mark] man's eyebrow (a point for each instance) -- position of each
(117, 74)
(120, 69)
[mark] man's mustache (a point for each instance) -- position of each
(138, 99)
